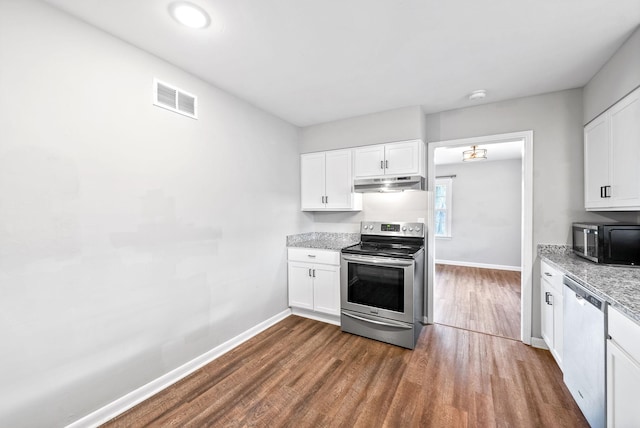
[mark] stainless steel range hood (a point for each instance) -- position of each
(388, 184)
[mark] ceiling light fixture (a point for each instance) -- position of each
(189, 14)
(474, 154)
(477, 95)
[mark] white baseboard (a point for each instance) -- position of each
(330, 319)
(137, 396)
(538, 342)
(479, 265)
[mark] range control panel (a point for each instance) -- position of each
(392, 229)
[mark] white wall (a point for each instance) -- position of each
(394, 125)
(132, 239)
(619, 76)
(405, 123)
(558, 181)
(486, 213)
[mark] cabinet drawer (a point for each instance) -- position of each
(625, 333)
(314, 255)
(552, 275)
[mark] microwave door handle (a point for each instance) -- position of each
(586, 241)
(378, 261)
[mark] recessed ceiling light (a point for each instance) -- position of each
(477, 95)
(189, 14)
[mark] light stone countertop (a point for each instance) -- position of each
(618, 285)
(323, 240)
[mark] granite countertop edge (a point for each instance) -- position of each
(323, 240)
(617, 285)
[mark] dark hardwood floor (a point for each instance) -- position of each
(483, 300)
(304, 373)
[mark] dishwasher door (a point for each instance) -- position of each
(584, 351)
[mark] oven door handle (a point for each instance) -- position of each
(385, 323)
(378, 261)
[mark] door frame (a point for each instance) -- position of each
(526, 230)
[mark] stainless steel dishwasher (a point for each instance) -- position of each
(584, 350)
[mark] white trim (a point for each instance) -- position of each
(137, 396)
(538, 342)
(329, 319)
(479, 265)
(526, 286)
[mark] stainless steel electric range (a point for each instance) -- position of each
(382, 283)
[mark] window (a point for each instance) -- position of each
(442, 211)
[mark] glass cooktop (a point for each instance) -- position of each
(383, 250)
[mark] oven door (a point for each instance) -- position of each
(379, 286)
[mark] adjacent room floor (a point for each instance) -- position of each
(482, 300)
(305, 373)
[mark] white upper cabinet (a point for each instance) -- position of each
(403, 158)
(392, 159)
(326, 182)
(369, 161)
(596, 162)
(312, 180)
(625, 151)
(338, 180)
(612, 156)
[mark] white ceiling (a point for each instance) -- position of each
(495, 152)
(316, 61)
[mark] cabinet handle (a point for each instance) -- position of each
(607, 191)
(602, 191)
(309, 272)
(548, 274)
(381, 164)
(323, 201)
(547, 295)
(314, 273)
(386, 164)
(326, 199)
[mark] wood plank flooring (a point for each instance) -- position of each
(483, 300)
(304, 373)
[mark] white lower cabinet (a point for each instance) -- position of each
(314, 280)
(551, 310)
(623, 371)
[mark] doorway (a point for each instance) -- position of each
(488, 285)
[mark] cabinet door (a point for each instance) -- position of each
(312, 180)
(623, 388)
(547, 313)
(338, 178)
(596, 162)
(402, 158)
(625, 151)
(300, 285)
(369, 161)
(558, 325)
(326, 289)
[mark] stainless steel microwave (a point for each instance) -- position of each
(609, 243)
